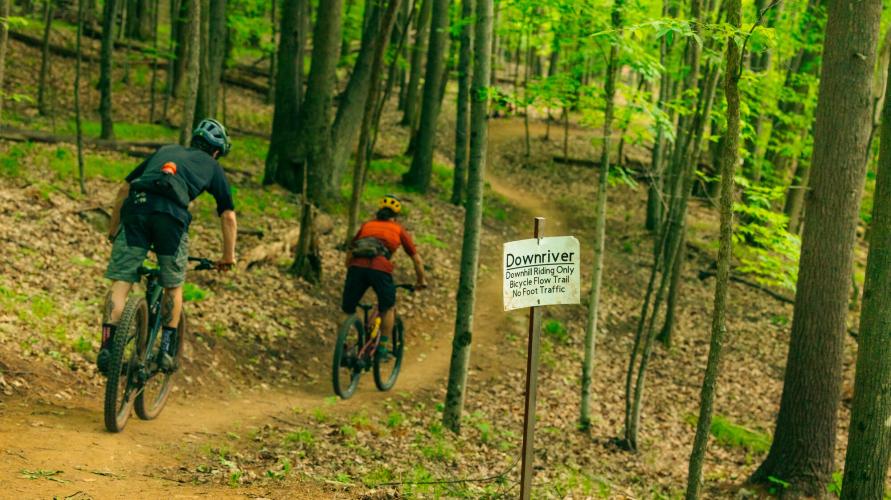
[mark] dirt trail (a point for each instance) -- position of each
(44, 436)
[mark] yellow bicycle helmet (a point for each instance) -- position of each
(391, 202)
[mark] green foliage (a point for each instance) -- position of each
(572, 482)
(556, 331)
(835, 487)
(194, 293)
(395, 419)
(734, 435)
(378, 476)
(303, 437)
(765, 248)
(777, 484)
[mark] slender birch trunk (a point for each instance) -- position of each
(612, 69)
(454, 402)
(77, 117)
(729, 159)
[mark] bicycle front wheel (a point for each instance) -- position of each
(153, 397)
(388, 362)
(346, 368)
(122, 370)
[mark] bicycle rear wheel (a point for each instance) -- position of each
(386, 366)
(121, 384)
(153, 397)
(346, 368)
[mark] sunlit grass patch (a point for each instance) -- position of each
(194, 293)
(734, 435)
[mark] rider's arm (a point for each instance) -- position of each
(409, 245)
(419, 270)
(123, 192)
(230, 231)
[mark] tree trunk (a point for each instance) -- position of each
(418, 175)
(655, 200)
(462, 141)
(804, 65)
(369, 119)
(396, 72)
(289, 86)
(213, 43)
(180, 31)
(4, 39)
(351, 103)
(311, 146)
(869, 436)
(77, 119)
(422, 29)
(105, 69)
(44, 57)
(802, 452)
(154, 81)
(346, 42)
(307, 263)
(668, 248)
(454, 401)
(193, 56)
(527, 71)
(139, 19)
(175, 56)
(729, 159)
(795, 195)
(691, 162)
(493, 66)
(612, 69)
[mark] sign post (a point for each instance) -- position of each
(531, 386)
(538, 272)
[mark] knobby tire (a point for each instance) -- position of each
(131, 328)
(342, 351)
(395, 347)
(148, 406)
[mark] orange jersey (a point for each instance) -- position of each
(392, 234)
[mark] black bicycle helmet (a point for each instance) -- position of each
(214, 133)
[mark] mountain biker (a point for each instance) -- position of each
(151, 211)
(368, 263)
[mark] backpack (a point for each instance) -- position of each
(370, 247)
(154, 180)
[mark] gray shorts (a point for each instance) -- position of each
(125, 261)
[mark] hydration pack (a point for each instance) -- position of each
(370, 247)
(158, 178)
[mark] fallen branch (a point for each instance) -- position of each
(703, 275)
(59, 50)
(636, 172)
(139, 149)
(251, 231)
(284, 246)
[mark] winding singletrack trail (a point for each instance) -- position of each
(39, 436)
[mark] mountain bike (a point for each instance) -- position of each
(135, 381)
(359, 349)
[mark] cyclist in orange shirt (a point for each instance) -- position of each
(369, 266)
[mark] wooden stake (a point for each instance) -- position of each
(531, 387)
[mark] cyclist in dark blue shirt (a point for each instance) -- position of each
(152, 212)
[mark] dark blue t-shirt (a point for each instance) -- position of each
(200, 171)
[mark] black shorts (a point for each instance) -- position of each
(359, 279)
(157, 231)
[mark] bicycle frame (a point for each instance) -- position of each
(153, 293)
(372, 324)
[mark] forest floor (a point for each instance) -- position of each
(252, 413)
